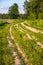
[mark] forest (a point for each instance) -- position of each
(33, 9)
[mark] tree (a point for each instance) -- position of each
(34, 7)
(13, 11)
(3, 16)
(27, 8)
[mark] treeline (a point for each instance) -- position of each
(7, 16)
(4, 16)
(33, 10)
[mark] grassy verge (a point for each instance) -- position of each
(5, 52)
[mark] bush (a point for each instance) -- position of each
(32, 16)
(40, 15)
(2, 23)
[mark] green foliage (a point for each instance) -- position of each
(30, 47)
(3, 16)
(40, 15)
(38, 24)
(33, 52)
(13, 11)
(32, 16)
(35, 7)
(2, 23)
(5, 53)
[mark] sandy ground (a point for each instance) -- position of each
(14, 54)
(32, 29)
(17, 62)
(33, 37)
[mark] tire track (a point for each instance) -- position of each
(31, 37)
(32, 29)
(20, 51)
(14, 53)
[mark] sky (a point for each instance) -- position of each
(5, 4)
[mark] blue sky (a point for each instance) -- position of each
(7, 3)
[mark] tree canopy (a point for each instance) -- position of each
(34, 7)
(13, 11)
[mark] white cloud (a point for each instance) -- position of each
(4, 4)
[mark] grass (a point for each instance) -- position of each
(30, 47)
(5, 53)
(37, 36)
(33, 52)
(38, 24)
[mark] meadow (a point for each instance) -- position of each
(28, 35)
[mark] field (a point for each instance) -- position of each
(21, 42)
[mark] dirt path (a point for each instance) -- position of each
(38, 42)
(17, 61)
(11, 45)
(31, 38)
(32, 29)
(14, 54)
(19, 28)
(20, 51)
